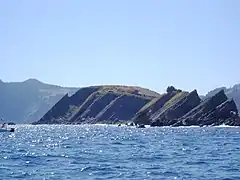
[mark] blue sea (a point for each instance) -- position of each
(111, 152)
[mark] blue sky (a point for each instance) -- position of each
(149, 43)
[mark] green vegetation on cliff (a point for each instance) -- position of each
(96, 104)
(31, 100)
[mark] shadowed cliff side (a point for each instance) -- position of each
(143, 115)
(123, 104)
(99, 104)
(215, 110)
(184, 104)
(122, 109)
(185, 109)
(231, 92)
(66, 107)
(93, 110)
(168, 108)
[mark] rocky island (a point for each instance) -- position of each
(129, 104)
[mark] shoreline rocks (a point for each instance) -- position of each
(110, 105)
(174, 108)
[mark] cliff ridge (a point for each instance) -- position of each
(125, 104)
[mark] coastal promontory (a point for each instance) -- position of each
(136, 105)
(99, 104)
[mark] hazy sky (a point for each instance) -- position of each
(150, 43)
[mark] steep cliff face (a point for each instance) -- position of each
(96, 108)
(207, 105)
(144, 114)
(67, 107)
(99, 104)
(57, 111)
(177, 109)
(117, 104)
(225, 113)
(122, 109)
(231, 92)
(186, 109)
(168, 104)
(215, 110)
(31, 99)
(168, 108)
(83, 107)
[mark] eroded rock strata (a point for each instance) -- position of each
(215, 110)
(122, 104)
(100, 104)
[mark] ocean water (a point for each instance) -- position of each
(110, 152)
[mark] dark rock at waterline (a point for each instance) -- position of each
(167, 109)
(144, 114)
(140, 126)
(66, 107)
(178, 108)
(215, 110)
(170, 115)
(99, 104)
(31, 99)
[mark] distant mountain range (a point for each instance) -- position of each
(30, 100)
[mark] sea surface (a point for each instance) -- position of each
(111, 152)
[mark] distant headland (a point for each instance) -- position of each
(33, 101)
(129, 104)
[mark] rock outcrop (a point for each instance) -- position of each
(99, 104)
(214, 110)
(231, 92)
(32, 100)
(93, 111)
(168, 108)
(123, 108)
(176, 110)
(67, 107)
(117, 104)
(143, 116)
(186, 109)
